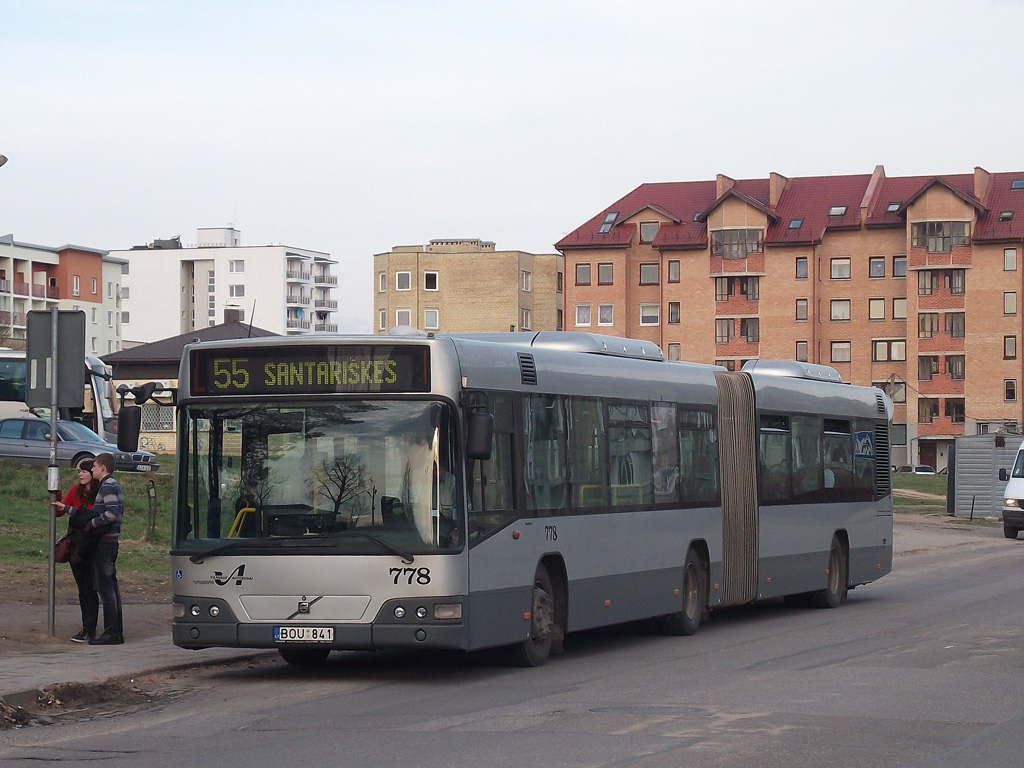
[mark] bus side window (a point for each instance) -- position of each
(544, 453)
(490, 482)
(776, 478)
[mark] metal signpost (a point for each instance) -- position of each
(52, 336)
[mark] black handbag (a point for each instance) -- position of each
(62, 549)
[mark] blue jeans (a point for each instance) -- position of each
(106, 585)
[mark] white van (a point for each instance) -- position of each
(1013, 496)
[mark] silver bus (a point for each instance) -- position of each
(482, 490)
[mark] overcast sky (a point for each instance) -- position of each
(352, 127)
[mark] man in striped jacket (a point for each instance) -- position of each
(108, 509)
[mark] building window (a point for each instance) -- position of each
(124, 268)
(801, 309)
(876, 309)
(1010, 303)
(583, 314)
(673, 351)
(927, 324)
(558, 319)
(110, 290)
(840, 309)
(899, 309)
(648, 274)
(650, 314)
(403, 317)
(955, 410)
(955, 367)
(801, 267)
(525, 319)
(1010, 390)
(124, 292)
(559, 281)
(431, 320)
(837, 210)
(723, 330)
(236, 265)
(796, 223)
(955, 280)
(124, 318)
(955, 324)
(382, 282)
(801, 351)
(75, 285)
(382, 319)
(403, 281)
(723, 288)
(888, 350)
(751, 287)
(94, 285)
(674, 313)
(927, 409)
(899, 266)
(606, 225)
(840, 269)
(673, 271)
(605, 314)
(583, 274)
(897, 390)
(1009, 347)
(236, 291)
(940, 236)
(898, 434)
(750, 328)
(894, 205)
(927, 282)
(736, 243)
(648, 229)
(927, 366)
(430, 281)
(95, 315)
(876, 266)
(840, 352)
(605, 274)
(525, 280)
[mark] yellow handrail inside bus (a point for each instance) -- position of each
(236, 526)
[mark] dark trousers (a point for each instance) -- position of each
(104, 565)
(87, 597)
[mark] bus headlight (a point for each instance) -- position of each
(421, 612)
(443, 611)
(214, 611)
(399, 612)
(1009, 502)
(195, 610)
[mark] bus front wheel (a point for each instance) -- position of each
(1010, 531)
(695, 598)
(835, 591)
(535, 650)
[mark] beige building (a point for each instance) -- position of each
(467, 286)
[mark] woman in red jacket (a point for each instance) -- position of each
(78, 504)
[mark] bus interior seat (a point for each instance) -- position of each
(392, 513)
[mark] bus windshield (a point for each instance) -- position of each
(347, 477)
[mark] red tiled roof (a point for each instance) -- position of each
(806, 198)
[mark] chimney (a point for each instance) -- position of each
(723, 184)
(981, 180)
(776, 185)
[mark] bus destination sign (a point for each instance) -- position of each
(313, 370)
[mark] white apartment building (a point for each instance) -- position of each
(39, 277)
(169, 289)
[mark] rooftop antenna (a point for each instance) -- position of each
(251, 314)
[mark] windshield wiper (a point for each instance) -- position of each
(407, 558)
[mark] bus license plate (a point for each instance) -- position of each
(303, 634)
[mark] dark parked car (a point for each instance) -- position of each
(28, 440)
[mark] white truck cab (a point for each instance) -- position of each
(1013, 496)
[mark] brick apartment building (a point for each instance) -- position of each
(913, 283)
(460, 286)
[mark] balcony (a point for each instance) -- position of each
(298, 299)
(326, 303)
(325, 279)
(326, 327)
(299, 275)
(5, 319)
(296, 324)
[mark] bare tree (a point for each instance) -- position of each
(341, 480)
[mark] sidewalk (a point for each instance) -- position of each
(30, 659)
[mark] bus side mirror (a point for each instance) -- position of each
(1003, 475)
(480, 432)
(129, 424)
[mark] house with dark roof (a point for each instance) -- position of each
(911, 283)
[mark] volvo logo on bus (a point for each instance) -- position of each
(238, 575)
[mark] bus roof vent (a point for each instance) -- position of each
(793, 369)
(598, 344)
(527, 369)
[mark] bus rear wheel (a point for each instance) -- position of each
(535, 650)
(835, 591)
(305, 657)
(695, 598)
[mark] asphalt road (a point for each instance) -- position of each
(923, 669)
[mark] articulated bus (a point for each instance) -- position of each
(98, 412)
(465, 492)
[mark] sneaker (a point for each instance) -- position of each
(106, 639)
(81, 637)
